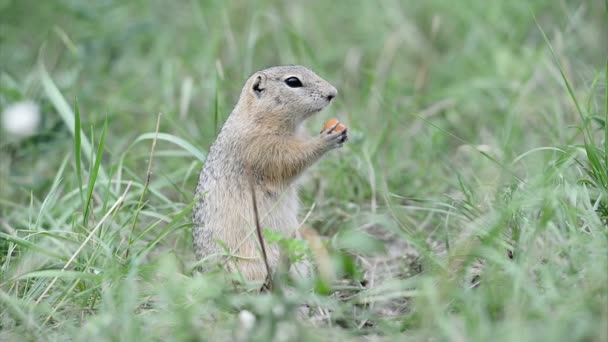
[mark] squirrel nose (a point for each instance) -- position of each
(332, 93)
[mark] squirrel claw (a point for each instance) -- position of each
(344, 137)
(334, 139)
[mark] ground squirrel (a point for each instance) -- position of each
(261, 140)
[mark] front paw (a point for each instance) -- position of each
(334, 136)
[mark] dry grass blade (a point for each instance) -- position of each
(258, 229)
(146, 184)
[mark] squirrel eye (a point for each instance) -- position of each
(293, 82)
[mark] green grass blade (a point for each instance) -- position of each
(200, 155)
(59, 274)
(77, 150)
(168, 228)
(32, 246)
(52, 193)
(95, 170)
(566, 81)
(64, 111)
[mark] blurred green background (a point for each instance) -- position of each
(442, 99)
(479, 69)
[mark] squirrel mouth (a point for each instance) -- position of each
(314, 111)
(320, 109)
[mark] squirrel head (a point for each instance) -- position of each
(284, 96)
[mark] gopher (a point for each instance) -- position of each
(261, 142)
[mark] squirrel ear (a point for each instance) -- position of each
(258, 85)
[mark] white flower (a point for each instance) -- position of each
(21, 118)
(247, 320)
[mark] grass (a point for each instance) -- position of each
(471, 200)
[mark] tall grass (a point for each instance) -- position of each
(470, 203)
